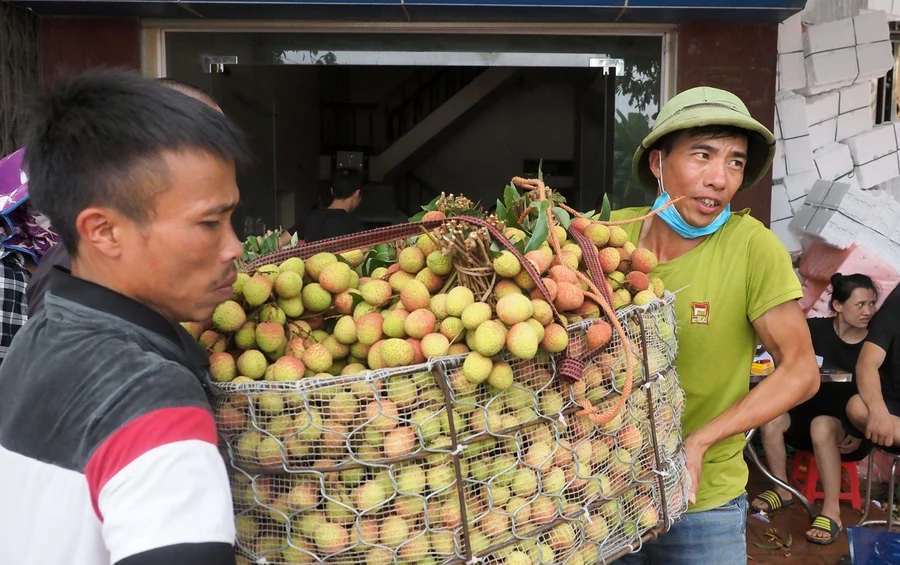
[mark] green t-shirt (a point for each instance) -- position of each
(721, 286)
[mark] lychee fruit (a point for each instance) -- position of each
(411, 260)
(433, 283)
(568, 297)
(617, 236)
(457, 299)
(579, 224)
(397, 352)
(433, 215)
(222, 367)
(228, 316)
(550, 285)
(373, 358)
(561, 273)
(316, 263)
(317, 358)
(288, 369)
(566, 259)
(489, 338)
(621, 298)
(522, 341)
(657, 286)
(419, 323)
(316, 298)
(555, 338)
(245, 337)
(414, 296)
(292, 307)
(643, 260)
(505, 287)
(237, 287)
(293, 264)
(288, 284)
(514, 308)
(438, 263)
(524, 280)
(257, 290)
(599, 334)
(637, 281)
(369, 328)
(394, 321)
(452, 329)
(426, 244)
(543, 312)
(506, 265)
(475, 314)
(252, 364)
(597, 233)
(477, 367)
(643, 298)
(345, 330)
(376, 292)
(195, 329)
(272, 313)
(268, 271)
(609, 259)
(434, 345)
(270, 336)
(539, 259)
(438, 306)
(501, 375)
(335, 277)
(625, 263)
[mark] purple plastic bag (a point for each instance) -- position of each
(22, 229)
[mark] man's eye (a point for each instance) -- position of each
(212, 224)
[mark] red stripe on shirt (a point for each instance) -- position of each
(143, 434)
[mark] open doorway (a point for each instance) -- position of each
(424, 122)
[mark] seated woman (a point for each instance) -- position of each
(819, 424)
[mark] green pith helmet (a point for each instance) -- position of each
(705, 106)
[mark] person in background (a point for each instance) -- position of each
(57, 255)
(875, 411)
(25, 237)
(738, 287)
(817, 425)
(337, 218)
(106, 429)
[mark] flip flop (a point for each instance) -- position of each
(773, 499)
(823, 523)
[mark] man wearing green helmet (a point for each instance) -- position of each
(737, 287)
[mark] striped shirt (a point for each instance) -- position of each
(108, 449)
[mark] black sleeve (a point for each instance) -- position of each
(40, 279)
(885, 324)
(184, 554)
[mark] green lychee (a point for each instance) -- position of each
(245, 337)
(369, 328)
(501, 375)
(269, 271)
(477, 367)
(506, 265)
(397, 352)
(272, 313)
(228, 316)
(335, 277)
(475, 314)
(222, 367)
(522, 341)
(394, 321)
(489, 338)
(288, 284)
(376, 292)
(316, 298)
(514, 308)
(293, 264)
(270, 336)
(316, 263)
(317, 358)
(643, 298)
(457, 300)
(252, 364)
(292, 307)
(414, 296)
(439, 263)
(257, 290)
(345, 330)
(411, 260)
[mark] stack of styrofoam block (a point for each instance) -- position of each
(836, 115)
(847, 51)
(790, 70)
(874, 155)
(793, 153)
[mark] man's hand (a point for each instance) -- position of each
(880, 426)
(849, 445)
(695, 449)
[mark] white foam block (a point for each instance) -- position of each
(832, 228)
(832, 67)
(791, 71)
(798, 156)
(779, 166)
(849, 179)
(828, 36)
(883, 5)
(854, 97)
(877, 171)
(790, 35)
(817, 192)
(871, 27)
(854, 123)
(823, 133)
(822, 107)
(776, 128)
(868, 146)
(833, 161)
(798, 186)
(791, 110)
(875, 59)
(791, 241)
(781, 206)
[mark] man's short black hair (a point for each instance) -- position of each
(346, 182)
(97, 140)
(667, 142)
(188, 89)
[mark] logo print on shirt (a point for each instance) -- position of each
(700, 313)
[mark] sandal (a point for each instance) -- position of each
(773, 500)
(823, 523)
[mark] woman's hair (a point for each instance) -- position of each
(842, 286)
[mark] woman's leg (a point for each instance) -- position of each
(827, 433)
(772, 434)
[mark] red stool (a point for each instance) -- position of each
(805, 476)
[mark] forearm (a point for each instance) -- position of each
(788, 386)
(868, 381)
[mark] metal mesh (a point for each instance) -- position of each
(418, 465)
(19, 72)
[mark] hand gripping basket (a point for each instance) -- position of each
(417, 465)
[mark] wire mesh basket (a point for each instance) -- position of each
(418, 465)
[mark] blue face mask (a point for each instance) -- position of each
(674, 220)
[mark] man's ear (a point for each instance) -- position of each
(101, 228)
(654, 157)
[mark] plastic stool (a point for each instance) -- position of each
(805, 476)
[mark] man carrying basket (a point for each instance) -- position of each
(734, 285)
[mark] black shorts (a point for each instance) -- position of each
(893, 406)
(831, 400)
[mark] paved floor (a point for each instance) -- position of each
(794, 521)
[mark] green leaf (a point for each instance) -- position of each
(382, 252)
(501, 211)
(541, 228)
(418, 217)
(769, 547)
(357, 298)
(343, 260)
(564, 218)
(495, 247)
(431, 206)
(519, 245)
(605, 210)
(510, 195)
(541, 170)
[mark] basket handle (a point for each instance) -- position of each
(392, 233)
